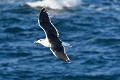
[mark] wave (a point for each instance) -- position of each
(54, 4)
(6, 1)
(14, 30)
(98, 8)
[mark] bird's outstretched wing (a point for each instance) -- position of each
(45, 23)
(59, 52)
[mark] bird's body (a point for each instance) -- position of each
(52, 37)
(44, 42)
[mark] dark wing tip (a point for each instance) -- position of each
(68, 61)
(43, 16)
(43, 10)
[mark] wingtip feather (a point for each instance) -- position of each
(43, 10)
(68, 61)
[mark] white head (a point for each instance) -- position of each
(44, 42)
(39, 41)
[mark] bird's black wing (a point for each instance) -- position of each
(46, 25)
(58, 51)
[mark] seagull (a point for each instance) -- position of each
(52, 40)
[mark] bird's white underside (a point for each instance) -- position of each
(45, 42)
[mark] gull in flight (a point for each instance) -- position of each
(52, 40)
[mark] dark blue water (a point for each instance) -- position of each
(92, 28)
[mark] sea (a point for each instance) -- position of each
(91, 27)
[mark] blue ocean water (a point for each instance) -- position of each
(92, 27)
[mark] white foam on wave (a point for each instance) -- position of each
(54, 4)
(98, 8)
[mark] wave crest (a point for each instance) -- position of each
(54, 4)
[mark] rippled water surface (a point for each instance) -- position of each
(92, 27)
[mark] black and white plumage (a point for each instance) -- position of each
(52, 37)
